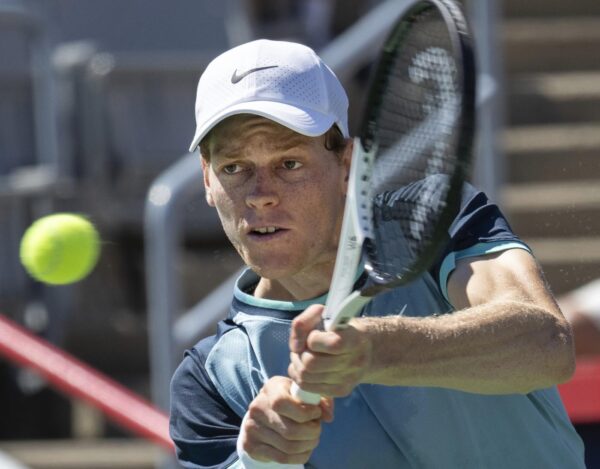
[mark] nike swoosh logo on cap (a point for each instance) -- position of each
(235, 78)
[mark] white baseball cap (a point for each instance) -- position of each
(281, 81)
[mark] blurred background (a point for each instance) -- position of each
(96, 115)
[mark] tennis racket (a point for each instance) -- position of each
(409, 161)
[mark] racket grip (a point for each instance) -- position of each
(304, 396)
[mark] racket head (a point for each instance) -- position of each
(419, 123)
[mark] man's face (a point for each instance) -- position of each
(280, 195)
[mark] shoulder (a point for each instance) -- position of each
(479, 220)
(203, 425)
(191, 378)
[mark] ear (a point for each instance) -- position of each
(346, 161)
(206, 177)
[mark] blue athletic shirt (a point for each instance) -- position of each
(375, 426)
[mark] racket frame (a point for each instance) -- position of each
(462, 46)
(356, 234)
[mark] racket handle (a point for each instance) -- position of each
(304, 396)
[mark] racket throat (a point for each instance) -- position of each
(347, 309)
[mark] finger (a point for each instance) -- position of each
(332, 342)
(266, 453)
(336, 384)
(307, 381)
(323, 378)
(275, 396)
(271, 429)
(264, 444)
(327, 407)
(289, 407)
(338, 389)
(321, 363)
(302, 325)
(298, 411)
(318, 382)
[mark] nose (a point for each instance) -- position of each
(264, 191)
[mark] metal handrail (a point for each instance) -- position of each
(48, 165)
(162, 233)
(197, 321)
(357, 45)
(489, 171)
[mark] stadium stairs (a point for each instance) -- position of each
(84, 454)
(552, 137)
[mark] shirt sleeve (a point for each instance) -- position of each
(480, 228)
(202, 425)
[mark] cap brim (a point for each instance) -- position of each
(302, 120)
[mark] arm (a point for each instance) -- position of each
(507, 336)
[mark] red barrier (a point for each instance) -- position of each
(77, 379)
(581, 395)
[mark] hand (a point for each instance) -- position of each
(327, 363)
(280, 428)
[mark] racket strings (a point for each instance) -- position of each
(416, 130)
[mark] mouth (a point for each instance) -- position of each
(266, 231)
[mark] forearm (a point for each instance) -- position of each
(498, 347)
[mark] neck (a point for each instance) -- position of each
(299, 287)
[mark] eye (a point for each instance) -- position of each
(292, 164)
(232, 168)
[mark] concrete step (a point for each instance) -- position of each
(565, 222)
(84, 454)
(554, 97)
(560, 221)
(551, 44)
(552, 153)
(552, 196)
(545, 8)
(567, 210)
(567, 263)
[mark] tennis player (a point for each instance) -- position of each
(456, 370)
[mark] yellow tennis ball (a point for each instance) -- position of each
(60, 249)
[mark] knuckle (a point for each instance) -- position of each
(337, 343)
(259, 409)
(251, 447)
(301, 382)
(252, 427)
(313, 429)
(279, 403)
(287, 433)
(254, 410)
(289, 447)
(300, 322)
